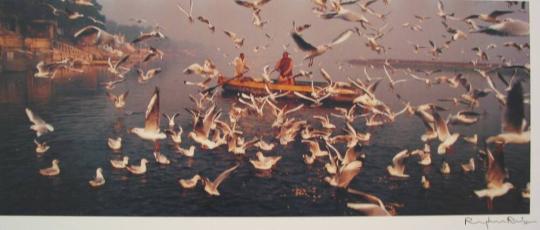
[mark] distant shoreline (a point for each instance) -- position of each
(421, 64)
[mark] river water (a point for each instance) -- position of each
(76, 105)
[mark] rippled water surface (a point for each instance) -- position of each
(83, 119)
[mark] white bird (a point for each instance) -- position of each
(190, 183)
(151, 131)
(507, 27)
(315, 149)
(344, 175)
(391, 81)
(100, 36)
(445, 168)
(171, 119)
(190, 152)
(424, 154)
(309, 159)
(313, 51)
(345, 14)
(257, 21)
(211, 187)
(112, 84)
(204, 20)
(160, 158)
(495, 177)
(115, 143)
(375, 207)
(55, 11)
(425, 183)
(138, 169)
(281, 113)
(176, 136)
(99, 180)
(41, 147)
(120, 164)
(238, 41)
(115, 68)
(184, 11)
(146, 76)
(317, 101)
(39, 125)
(272, 96)
(119, 101)
(397, 168)
(325, 122)
(51, 171)
(447, 139)
(349, 115)
(465, 117)
(491, 18)
(149, 35)
(202, 126)
(45, 70)
(472, 139)
(263, 145)
(469, 166)
(264, 162)
(254, 5)
(514, 125)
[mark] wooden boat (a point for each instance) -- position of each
(249, 86)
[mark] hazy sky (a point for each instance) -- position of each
(225, 14)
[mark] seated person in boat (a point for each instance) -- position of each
(240, 66)
(285, 67)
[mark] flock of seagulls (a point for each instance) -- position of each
(321, 134)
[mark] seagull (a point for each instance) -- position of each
(146, 76)
(345, 14)
(101, 37)
(138, 169)
(274, 96)
(188, 14)
(54, 170)
(151, 130)
(171, 119)
(313, 51)
(375, 207)
(480, 53)
(202, 127)
(204, 20)
(507, 27)
(315, 149)
(255, 105)
(424, 154)
(115, 68)
(495, 177)
(41, 147)
(99, 180)
(344, 175)
(254, 5)
(146, 36)
(39, 125)
(257, 21)
(441, 13)
(447, 139)
(238, 41)
(391, 81)
(309, 159)
(491, 18)
(73, 15)
(435, 51)
(190, 183)
(160, 158)
(119, 101)
(281, 113)
(263, 145)
(153, 53)
(469, 166)
(472, 139)
(325, 122)
(120, 164)
(115, 144)
(514, 125)
(425, 183)
(264, 162)
(289, 129)
(519, 47)
(465, 117)
(55, 11)
(445, 168)
(316, 101)
(45, 70)
(211, 187)
(190, 152)
(397, 169)
(347, 114)
(112, 84)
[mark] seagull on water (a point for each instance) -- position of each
(54, 170)
(119, 101)
(138, 169)
(99, 180)
(120, 164)
(469, 166)
(397, 169)
(264, 162)
(115, 143)
(190, 183)
(41, 147)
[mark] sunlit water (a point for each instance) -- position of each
(83, 119)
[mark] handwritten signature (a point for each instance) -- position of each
(500, 220)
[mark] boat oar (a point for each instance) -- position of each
(218, 85)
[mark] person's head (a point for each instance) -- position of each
(285, 54)
(242, 55)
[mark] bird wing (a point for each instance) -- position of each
(121, 61)
(342, 37)
(295, 109)
(515, 110)
(88, 30)
(348, 172)
(151, 121)
(326, 75)
(33, 117)
(305, 97)
(369, 197)
(497, 13)
(182, 9)
(224, 175)
(398, 159)
(440, 126)
(245, 3)
(301, 43)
